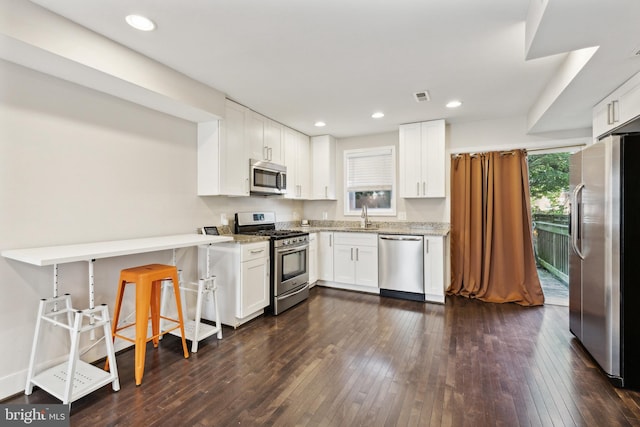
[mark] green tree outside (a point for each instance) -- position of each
(549, 182)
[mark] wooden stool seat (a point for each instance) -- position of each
(148, 280)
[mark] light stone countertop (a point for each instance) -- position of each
(414, 228)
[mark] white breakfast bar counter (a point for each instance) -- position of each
(51, 255)
(74, 379)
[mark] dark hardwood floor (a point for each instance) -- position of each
(350, 359)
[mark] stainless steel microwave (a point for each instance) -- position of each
(267, 178)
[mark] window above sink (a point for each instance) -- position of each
(370, 180)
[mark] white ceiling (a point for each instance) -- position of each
(299, 61)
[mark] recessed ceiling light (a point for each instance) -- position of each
(140, 22)
(378, 115)
(320, 124)
(454, 104)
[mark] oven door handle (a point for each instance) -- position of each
(291, 250)
(294, 293)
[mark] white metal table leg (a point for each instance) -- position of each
(73, 357)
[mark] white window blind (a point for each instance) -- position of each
(371, 170)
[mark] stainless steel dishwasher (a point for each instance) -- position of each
(401, 266)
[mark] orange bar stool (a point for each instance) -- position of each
(148, 280)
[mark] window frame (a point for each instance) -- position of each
(394, 187)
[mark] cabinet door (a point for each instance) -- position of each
(433, 159)
(255, 129)
(234, 159)
(629, 104)
(290, 161)
(434, 278)
(303, 170)
(323, 171)
(602, 117)
(366, 265)
(313, 258)
(274, 141)
(254, 287)
(325, 256)
(343, 264)
(410, 160)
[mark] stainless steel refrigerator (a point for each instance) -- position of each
(604, 262)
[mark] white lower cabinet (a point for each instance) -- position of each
(313, 259)
(242, 276)
(355, 261)
(325, 255)
(434, 268)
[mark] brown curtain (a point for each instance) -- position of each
(492, 255)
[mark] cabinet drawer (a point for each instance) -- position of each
(356, 239)
(252, 251)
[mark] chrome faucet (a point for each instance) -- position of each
(365, 216)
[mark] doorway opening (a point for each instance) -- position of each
(549, 187)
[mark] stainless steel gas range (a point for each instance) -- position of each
(289, 258)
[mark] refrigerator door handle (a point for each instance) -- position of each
(575, 221)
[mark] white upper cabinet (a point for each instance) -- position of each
(255, 129)
(223, 160)
(274, 142)
(265, 138)
(422, 159)
(323, 167)
(297, 162)
(622, 106)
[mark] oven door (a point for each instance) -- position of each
(291, 268)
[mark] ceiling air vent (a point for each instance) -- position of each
(422, 96)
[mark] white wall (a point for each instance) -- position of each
(78, 166)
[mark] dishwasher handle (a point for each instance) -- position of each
(402, 238)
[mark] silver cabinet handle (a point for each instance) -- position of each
(351, 254)
(426, 247)
(247, 184)
(256, 251)
(265, 152)
(613, 111)
(270, 153)
(417, 188)
(330, 240)
(357, 254)
(326, 192)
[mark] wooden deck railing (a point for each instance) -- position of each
(552, 248)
